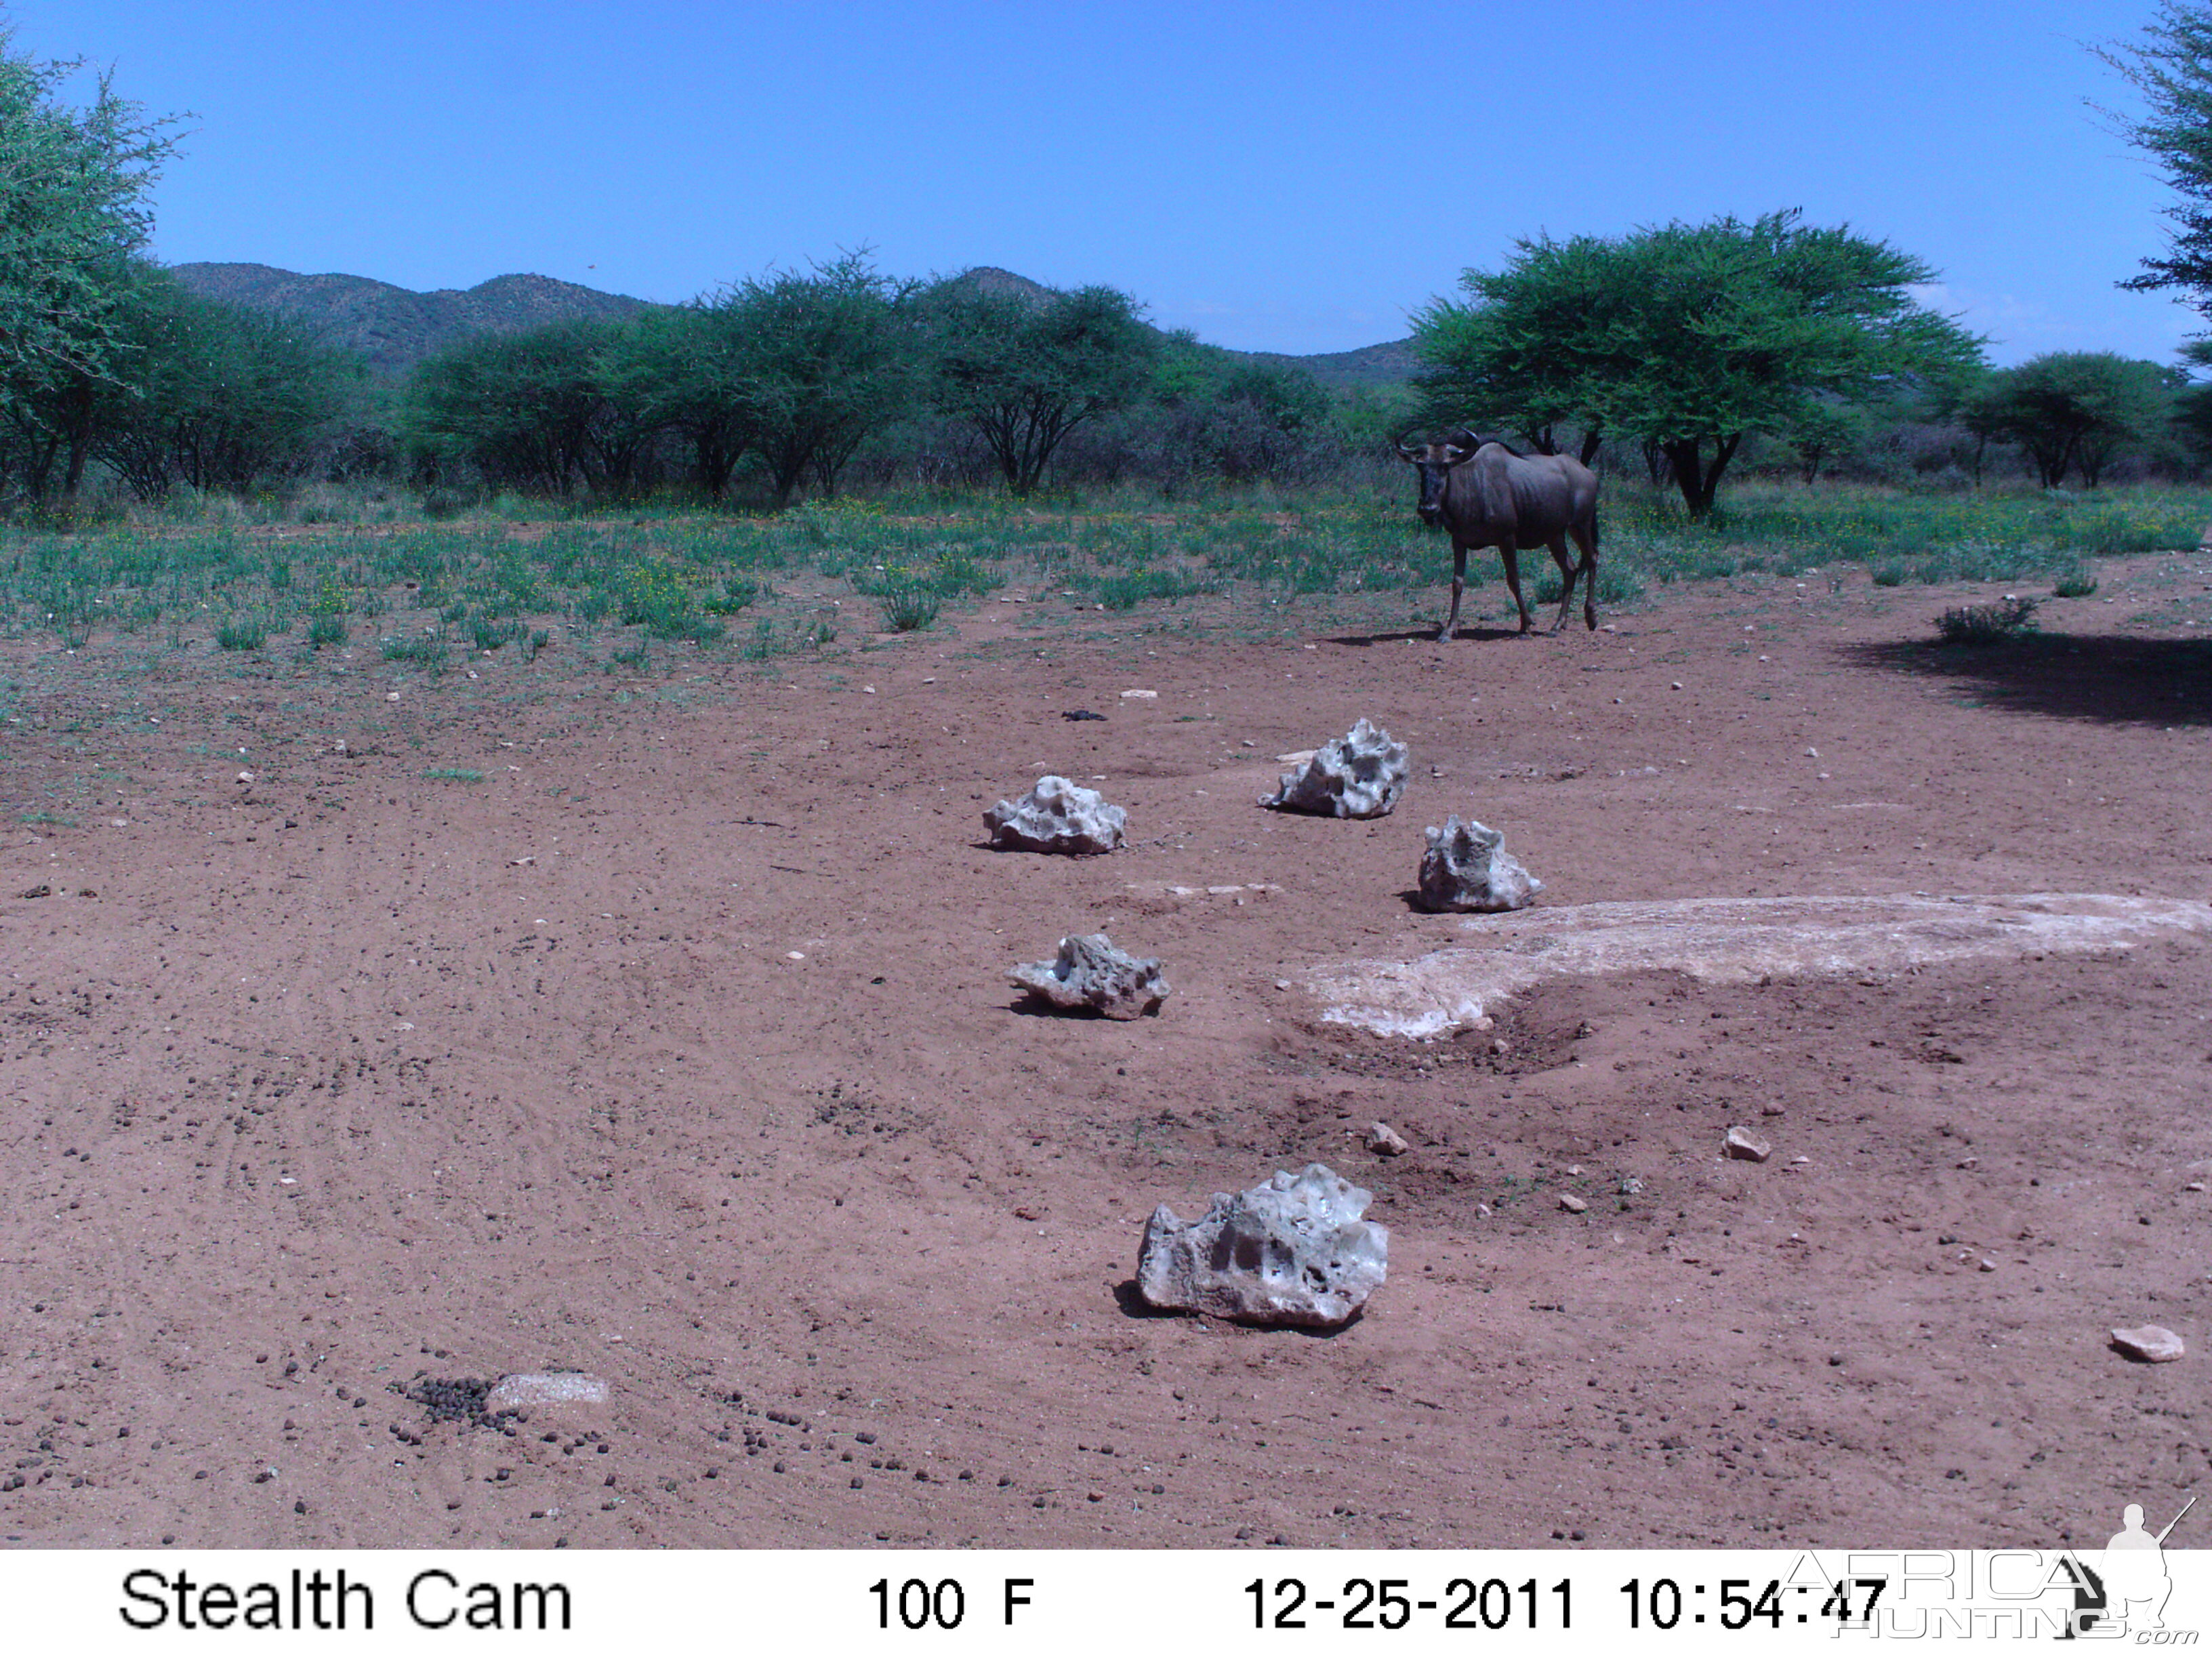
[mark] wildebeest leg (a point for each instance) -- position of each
(1459, 586)
(1586, 539)
(1559, 546)
(1512, 558)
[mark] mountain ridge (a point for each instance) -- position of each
(394, 328)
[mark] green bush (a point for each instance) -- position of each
(2076, 582)
(327, 628)
(245, 634)
(908, 609)
(1986, 624)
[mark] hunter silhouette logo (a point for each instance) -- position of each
(2129, 1590)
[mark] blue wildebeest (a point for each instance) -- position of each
(1490, 494)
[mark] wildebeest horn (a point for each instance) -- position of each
(1466, 441)
(1405, 451)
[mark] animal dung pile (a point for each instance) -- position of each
(1056, 815)
(1359, 775)
(1467, 868)
(1091, 972)
(1291, 1251)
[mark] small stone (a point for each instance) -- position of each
(1359, 775)
(1057, 816)
(2153, 1344)
(1740, 1143)
(1140, 696)
(1675, 685)
(1089, 972)
(2193, 1187)
(1629, 1187)
(1385, 1141)
(1988, 1265)
(1466, 867)
(1572, 1204)
(1773, 1111)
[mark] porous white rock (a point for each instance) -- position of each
(1291, 1251)
(1467, 868)
(1359, 775)
(1092, 972)
(1057, 816)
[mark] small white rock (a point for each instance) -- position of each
(537, 1390)
(1385, 1141)
(1141, 696)
(1572, 1204)
(2154, 1344)
(1740, 1143)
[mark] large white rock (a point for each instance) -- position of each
(1057, 816)
(1091, 972)
(1467, 868)
(1291, 1251)
(1359, 775)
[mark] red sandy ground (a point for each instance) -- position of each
(350, 1076)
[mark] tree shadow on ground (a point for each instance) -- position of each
(2072, 676)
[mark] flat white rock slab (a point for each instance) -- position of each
(1729, 940)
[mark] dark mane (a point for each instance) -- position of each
(1480, 440)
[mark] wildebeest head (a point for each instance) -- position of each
(1435, 462)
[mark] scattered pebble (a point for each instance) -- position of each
(2153, 1344)
(1572, 1204)
(1141, 696)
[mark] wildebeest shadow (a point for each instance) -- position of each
(2095, 677)
(1133, 1304)
(1425, 635)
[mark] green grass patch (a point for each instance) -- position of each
(455, 773)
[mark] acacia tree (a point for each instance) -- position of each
(796, 369)
(223, 398)
(2171, 68)
(1687, 338)
(2072, 409)
(74, 218)
(1023, 372)
(533, 408)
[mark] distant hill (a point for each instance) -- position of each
(395, 328)
(1391, 363)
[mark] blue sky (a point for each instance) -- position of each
(1284, 176)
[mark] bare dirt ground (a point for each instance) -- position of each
(678, 1049)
